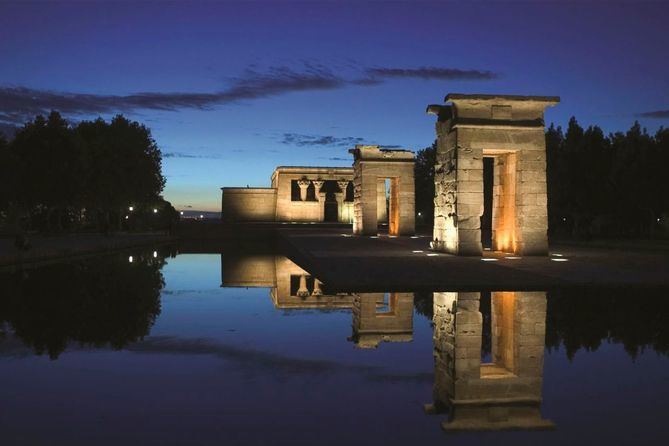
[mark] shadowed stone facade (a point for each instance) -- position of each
(372, 166)
(509, 129)
(502, 394)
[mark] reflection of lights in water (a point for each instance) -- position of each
(415, 236)
(487, 249)
(346, 235)
(512, 257)
(155, 254)
(432, 254)
(374, 236)
(130, 259)
(418, 250)
(489, 260)
(392, 236)
(560, 260)
(556, 254)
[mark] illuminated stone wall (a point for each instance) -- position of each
(248, 204)
(509, 129)
(372, 165)
(288, 209)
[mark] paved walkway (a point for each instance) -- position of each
(351, 263)
(57, 247)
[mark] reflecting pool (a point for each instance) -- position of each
(248, 348)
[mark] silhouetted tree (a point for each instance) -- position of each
(55, 175)
(424, 183)
(124, 166)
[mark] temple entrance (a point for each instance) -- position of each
(383, 191)
(330, 208)
(486, 218)
(509, 212)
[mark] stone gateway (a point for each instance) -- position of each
(509, 129)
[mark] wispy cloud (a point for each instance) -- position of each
(431, 73)
(21, 103)
(302, 140)
(188, 155)
(658, 114)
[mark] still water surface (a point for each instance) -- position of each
(250, 349)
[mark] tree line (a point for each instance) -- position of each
(95, 175)
(598, 185)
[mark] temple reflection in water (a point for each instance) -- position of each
(505, 392)
(499, 392)
(377, 317)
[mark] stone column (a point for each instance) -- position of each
(343, 185)
(303, 291)
(304, 184)
(317, 288)
(339, 196)
(320, 196)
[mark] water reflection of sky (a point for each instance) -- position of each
(224, 365)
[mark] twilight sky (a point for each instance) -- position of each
(232, 90)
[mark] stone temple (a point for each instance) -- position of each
(506, 130)
(378, 189)
(510, 130)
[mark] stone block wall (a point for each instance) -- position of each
(371, 167)
(248, 204)
(511, 130)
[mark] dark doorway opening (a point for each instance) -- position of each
(331, 211)
(486, 218)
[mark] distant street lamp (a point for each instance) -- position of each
(182, 212)
(130, 208)
(201, 216)
(155, 211)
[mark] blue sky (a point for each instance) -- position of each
(231, 90)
